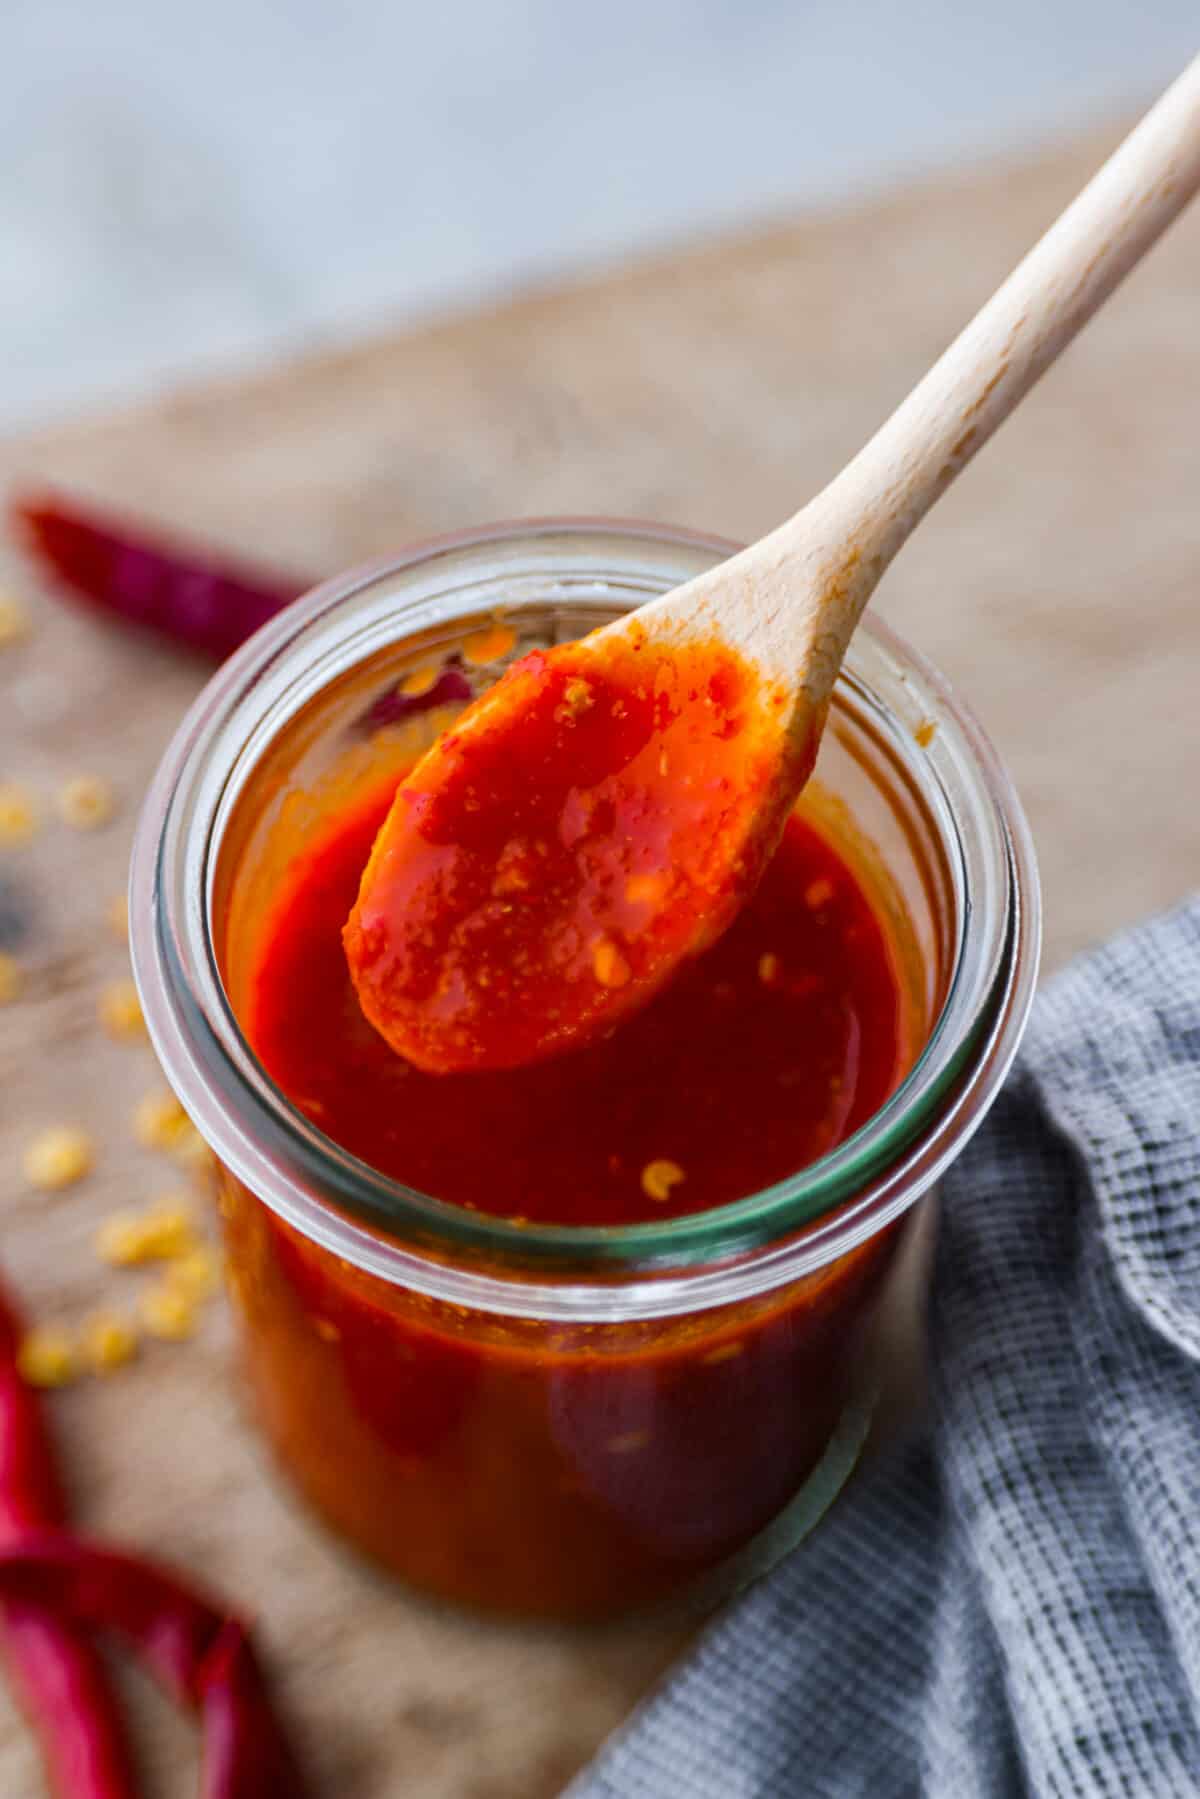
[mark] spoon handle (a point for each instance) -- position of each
(868, 511)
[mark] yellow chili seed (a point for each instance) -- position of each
(608, 964)
(191, 1151)
(58, 1158)
(490, 645)
(46, 1357)
(119, 1240)
(86, 803)
(818, 894)
(14, 621)
(109, 1341)
(118, 917)
(628, 1442)
(419, 681)
(127, 1239)
(11, 979)
(925, 732)
(167, 1313)
(659, 1177)
(160, 1121)
(577, 697)
(167, 1230)
(768, 968)
(196, 1275)
(725, 1352)
(18, 815)
(121, 1011)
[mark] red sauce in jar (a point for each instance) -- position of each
(533, 1466)
(763, 1055)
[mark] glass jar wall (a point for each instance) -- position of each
(554, 1419)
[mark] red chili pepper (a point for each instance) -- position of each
(201, 1655)
(53, 1587)
(207, 603)
(58, 1675)
(203, 604)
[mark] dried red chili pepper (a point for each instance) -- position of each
(207, 603)
(202, 1656)
(53, 1587)
(58, 1675)
(183, 595)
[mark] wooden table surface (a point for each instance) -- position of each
(1058, 585)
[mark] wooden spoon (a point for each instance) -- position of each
(603, 811)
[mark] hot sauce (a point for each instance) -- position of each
(763, 1055)
(559, 1469)
(597, 816)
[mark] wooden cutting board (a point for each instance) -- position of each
(1058, 585)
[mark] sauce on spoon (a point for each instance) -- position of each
(595, 818)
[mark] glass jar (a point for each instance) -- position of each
(561, 1420)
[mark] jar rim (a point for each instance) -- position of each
(687, 1262)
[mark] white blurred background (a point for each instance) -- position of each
(190, 187)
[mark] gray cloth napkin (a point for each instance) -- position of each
(1011, 1606)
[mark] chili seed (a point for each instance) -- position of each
(58, 1158)
(121, 1011)
(46, 1357)
(18, 815)
(86, 803)
(659, 1177)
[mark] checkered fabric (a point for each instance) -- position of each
(1010, 1605)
